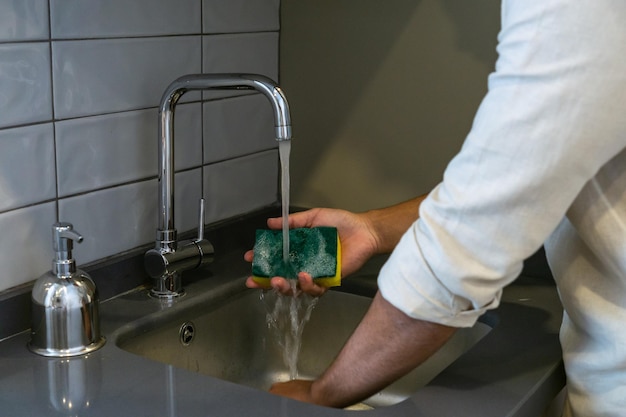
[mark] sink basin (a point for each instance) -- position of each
(230, 340)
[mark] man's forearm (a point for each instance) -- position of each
(386, 345)
(390, 223)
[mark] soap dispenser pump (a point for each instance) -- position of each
(65, 319)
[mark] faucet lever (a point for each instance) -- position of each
(190, 254)
(201, 221)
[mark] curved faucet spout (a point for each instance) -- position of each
(264, 85)
(260, 83)
(166, 239)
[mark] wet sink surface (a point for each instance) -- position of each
(230, 340)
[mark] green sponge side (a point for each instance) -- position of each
(316, 251)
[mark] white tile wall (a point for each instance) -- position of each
(233, 127)
(26, 166)
(122, 147)
(108, 75)
(118, 18)
(111, 220)
(80, 82)
(228, 16)
(25, 95)
(26, 243)
(256, 53)
(23, 20)
(116, 219)
(238, 185)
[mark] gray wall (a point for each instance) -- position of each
(79, 84)
(383, 93)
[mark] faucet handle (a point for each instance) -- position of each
(190, 254)
(201, 221)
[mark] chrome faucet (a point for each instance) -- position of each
(170, 258)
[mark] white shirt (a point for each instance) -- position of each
(543, 162)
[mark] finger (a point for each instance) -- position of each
(281, 285)
(248, 256)
(250, 283)
(300, 219)
(277, 283)
(308, 285)
(275, 222)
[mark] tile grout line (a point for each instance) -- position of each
(54, 129)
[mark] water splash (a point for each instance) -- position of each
(286, 317)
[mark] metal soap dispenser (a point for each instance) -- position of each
(65, 318)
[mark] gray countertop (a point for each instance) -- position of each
(515, 370)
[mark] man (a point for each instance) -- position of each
(544, 163)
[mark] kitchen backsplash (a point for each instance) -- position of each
(80, 82)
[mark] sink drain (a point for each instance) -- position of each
(186, 333)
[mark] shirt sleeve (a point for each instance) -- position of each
(551, 119)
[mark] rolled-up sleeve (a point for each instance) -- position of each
(551, 119)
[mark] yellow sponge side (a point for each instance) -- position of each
(304, 256)
(262, 281)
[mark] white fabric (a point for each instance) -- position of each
(543, 160)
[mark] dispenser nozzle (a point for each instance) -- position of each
(62, 236)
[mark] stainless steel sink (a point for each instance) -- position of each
(230, 340)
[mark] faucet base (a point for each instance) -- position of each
(166, 295)
(168, 287)
(66, 353)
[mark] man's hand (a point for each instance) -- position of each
(362, 235)
(357, 245)
(297, 389)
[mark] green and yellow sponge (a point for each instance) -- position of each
(316, 251)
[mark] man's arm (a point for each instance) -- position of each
(390, 223)
(386, 345)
